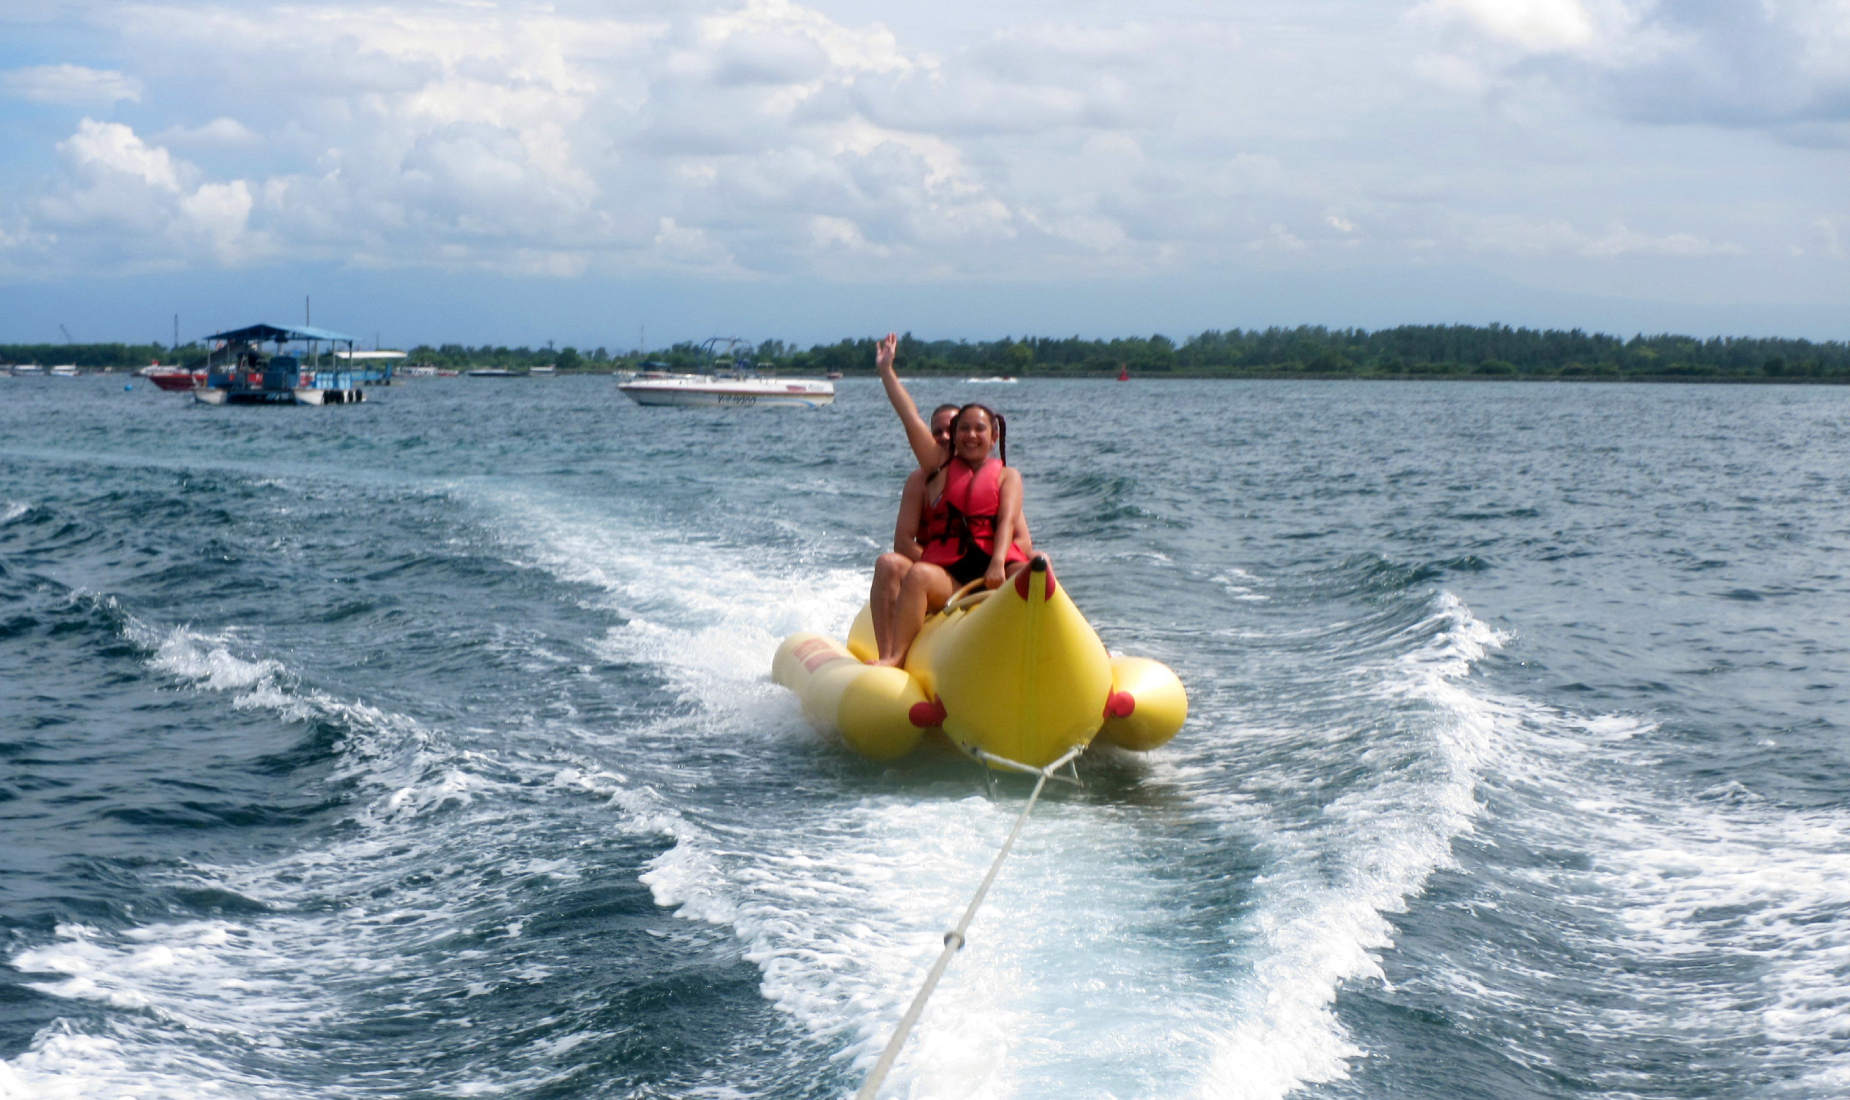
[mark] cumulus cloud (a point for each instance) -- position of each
(70, 85)
(1733, 62)
(752, 138)
(146, 202)
(1541, 26)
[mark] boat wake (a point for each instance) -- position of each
(1215, 920)
(431, 848)
(1083, 966)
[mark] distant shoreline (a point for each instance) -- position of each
(1450, 353)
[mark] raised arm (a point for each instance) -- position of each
(918, 433)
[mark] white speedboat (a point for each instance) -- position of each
(712, 391)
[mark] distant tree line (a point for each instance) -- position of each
(97, 356)
(1408, 351)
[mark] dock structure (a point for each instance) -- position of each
(239, 372)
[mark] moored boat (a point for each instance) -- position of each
(725, 376)
(712, 391)
(373, 368)
(1013, 676)
(176, 380)
(238, 372)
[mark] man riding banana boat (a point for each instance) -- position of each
(966, 629)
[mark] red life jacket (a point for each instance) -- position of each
(964, 518)
(934, 521)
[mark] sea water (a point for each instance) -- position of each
(426, 748)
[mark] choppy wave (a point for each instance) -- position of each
(248, 1002)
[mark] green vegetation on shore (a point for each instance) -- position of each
(1409, 351)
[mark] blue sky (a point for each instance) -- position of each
(518, 173)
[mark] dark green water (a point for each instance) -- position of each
(426, 748)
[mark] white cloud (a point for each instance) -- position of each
(1733, 62)
(144, 204)
(222, 132)
(1525, 236)
(70, 85)
(101, 149)
(755, 138)
(1537, 25)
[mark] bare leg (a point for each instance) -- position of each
(925, 589)
(889, 571)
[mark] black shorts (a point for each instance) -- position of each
(968, 568)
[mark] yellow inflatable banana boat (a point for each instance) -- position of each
(1014, 673)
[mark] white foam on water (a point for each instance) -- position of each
(194, 999)
(11, 510)
(207, 661)
(1242, 586)
(1082, 985)
(1069, 974)
(1724, 918)
(1322, 917)
(706, 617)
(200, 1001)
(843, 909)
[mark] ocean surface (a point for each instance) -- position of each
(426, 748)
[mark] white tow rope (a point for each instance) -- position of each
(954, 939)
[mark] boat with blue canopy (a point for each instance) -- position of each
(297, 371)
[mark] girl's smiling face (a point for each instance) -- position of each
(975, 435)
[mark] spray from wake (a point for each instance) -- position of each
(1082, 960)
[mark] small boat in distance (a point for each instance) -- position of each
(730, 380)
(1004, 380)
(495, 372)
(173, 379)
(710, 391)
(28, 370)
(64, 370)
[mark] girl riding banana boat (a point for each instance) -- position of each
(966, 631)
